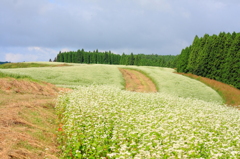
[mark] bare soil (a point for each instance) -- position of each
(27, 120)
(137, 82)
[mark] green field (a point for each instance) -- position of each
(185, 119)
(72, 76)
(85, 75)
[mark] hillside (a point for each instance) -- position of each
(181, 108)
(144, 125)
(230, 94)
(86, 75)
(27, 119)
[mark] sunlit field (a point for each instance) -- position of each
(178, 85)
(99, 119)
(71, 76)
(85, 75)
(103, 121)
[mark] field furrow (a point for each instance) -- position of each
(137, 82)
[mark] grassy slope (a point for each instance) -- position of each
(230, 94)
(30, 64)
(178, 85)
(28, 119)
(92, 73)
(74, 75)
(83, 74)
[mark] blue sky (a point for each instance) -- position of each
(36, 30)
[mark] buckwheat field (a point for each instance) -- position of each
(106, 122)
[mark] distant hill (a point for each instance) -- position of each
(4, 62)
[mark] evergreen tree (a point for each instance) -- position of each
(224, 67)
(193, 54)
(183, 60)
(233, 63)
(131, 59)
(216, 57)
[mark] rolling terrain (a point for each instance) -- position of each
(85, 75)
(99, 92)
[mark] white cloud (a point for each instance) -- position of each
(65, 50)
(161, 5)
(43, 28)
(20, 54)
(12, 57)
(42, 50)
(34, 48)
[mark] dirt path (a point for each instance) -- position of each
(137, 82)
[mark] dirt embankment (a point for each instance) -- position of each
(27, 119)
(137, 82)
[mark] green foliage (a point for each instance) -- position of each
(3, 62)
(183, 60)
(96, 57)
(23, 65)
(17, 76)
(216, 57)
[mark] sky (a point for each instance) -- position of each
(36, 30)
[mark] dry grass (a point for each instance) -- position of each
(230, 94)
(27, 119)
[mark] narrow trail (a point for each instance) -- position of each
(137, 82)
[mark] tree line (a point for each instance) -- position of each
(216, 57)
(4, 62)
(107, 57)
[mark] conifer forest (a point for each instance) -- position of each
(216, 57)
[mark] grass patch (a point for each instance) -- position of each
(27, 65)
(168, 82)
(26, 145)
(230, 94)
(18, 76)
(72, 76)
